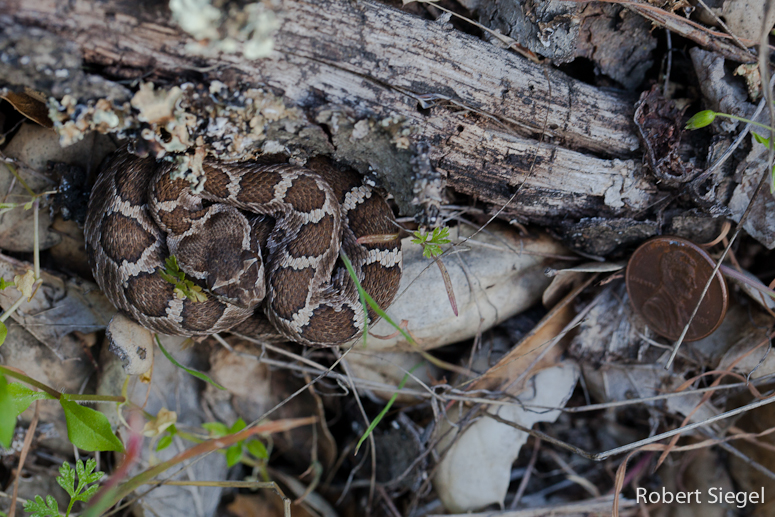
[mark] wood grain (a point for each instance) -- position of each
(482, 108)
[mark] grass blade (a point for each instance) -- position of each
(190, 371)
(384, 411)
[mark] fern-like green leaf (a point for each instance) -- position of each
(41, 508)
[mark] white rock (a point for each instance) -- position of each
(132, 343)
(493, 280)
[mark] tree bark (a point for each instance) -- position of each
(494, 121)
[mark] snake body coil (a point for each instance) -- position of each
(259, 238)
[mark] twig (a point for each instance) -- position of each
(526, 477)
(600, 456)
(723, 25)
(22, 457)
(669, 65)
(389, 502)
(372, 443)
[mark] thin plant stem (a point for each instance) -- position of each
(11, 309)
(747, 121)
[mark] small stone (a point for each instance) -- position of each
(132, 344)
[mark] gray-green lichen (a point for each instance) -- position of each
(221, 26)
(186, 123)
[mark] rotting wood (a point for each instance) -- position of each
(480, 107)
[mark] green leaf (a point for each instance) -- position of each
(431, 250)
(233, 454)
(39, 508)
(4, 283)
(257, 449)
(88, 429)
(86, 476)
(431, 242)
(171, 263)
(759, 138)
(86, 472)
(7, 414)
(88, 493)
(7, 207)
(164, 442)
(190, 371)
(701, 119)
(3, 332)
(66, 479)
(22, 396)
(217, 429)
(440, 235)
(194, 292)
(183, 288)
(238, 426)
(169, 278)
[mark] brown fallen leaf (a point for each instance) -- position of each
(31, 105)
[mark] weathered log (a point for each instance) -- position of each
(493, 119)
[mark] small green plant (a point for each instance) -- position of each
(184, 288)
(431, 248)
(236, 452)
(87, 428)
(66, 479)
(7, 207)
(706, 117)
(431, 242)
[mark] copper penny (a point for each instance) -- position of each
(665, 278)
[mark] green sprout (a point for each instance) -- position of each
(706, 117)
(701, 119)
(236, 452)
(184, 288)
(431, 242)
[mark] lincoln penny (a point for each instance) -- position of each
(665, 278)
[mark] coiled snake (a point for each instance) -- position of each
(259, 238)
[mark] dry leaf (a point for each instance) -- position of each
(24, 283)
(30, 106)
(164, 419)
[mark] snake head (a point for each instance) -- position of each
(240, 282)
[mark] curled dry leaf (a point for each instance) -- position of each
(24, 283)
(164, 419)
(31, 105)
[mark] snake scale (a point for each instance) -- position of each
(259, 239)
